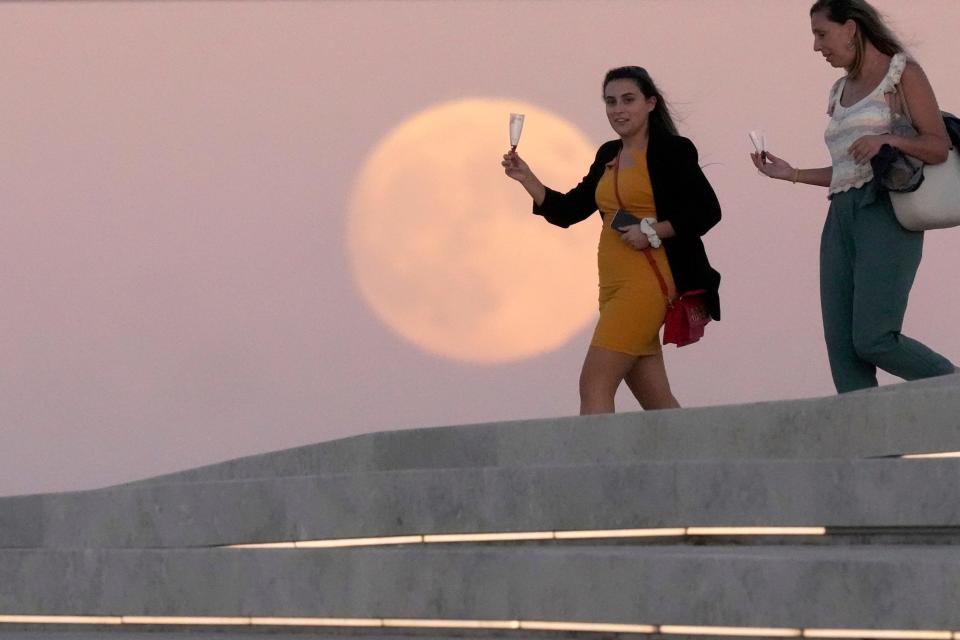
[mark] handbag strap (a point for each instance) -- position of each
(646, 252)
(902, 107)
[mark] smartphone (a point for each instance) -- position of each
(623, 219)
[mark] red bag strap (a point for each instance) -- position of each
(656, 271)
(646, 252)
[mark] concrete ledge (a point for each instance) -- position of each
(22, 521)
(899, 588)
(842, 493)
(907, 418)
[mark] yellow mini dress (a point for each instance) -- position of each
(632, 306)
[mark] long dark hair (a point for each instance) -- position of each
(870, 27)
(661, 121)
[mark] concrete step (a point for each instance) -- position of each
(831, 492)
(906, 418)
(786, 587)
(186, 632)
(888, 561)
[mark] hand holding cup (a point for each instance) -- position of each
(759, 143)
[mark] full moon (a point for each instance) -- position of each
(445, 249)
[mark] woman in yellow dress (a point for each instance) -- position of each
(652, 173)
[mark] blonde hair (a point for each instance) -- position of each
(870, 27)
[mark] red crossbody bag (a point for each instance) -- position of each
(687, 314)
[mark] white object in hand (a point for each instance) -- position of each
(516, 127)
(646, 227)
(756, 137)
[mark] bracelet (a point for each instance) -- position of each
(796, 175)
(646, 227)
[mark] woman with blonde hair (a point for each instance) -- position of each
(867, 260)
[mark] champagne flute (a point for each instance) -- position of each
(516, 127)
(759, 143)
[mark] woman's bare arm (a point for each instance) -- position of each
(819, 177)
(779, 169)
(932, 144)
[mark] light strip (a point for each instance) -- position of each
(620, 533)
(742, 632)
(420, 623)
(516, 536)
(532, 625)
(60, 620)
(488, 537)
(316, 622)
(232, 621)
(878, 634)
(358, 542)
(756, 531)
(597, 627)
(931, 456)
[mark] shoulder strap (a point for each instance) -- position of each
(646, 252)
(904, 106)
(660, 280)
(835, 92)
(898, 62)
(892, 87)
(897, 102)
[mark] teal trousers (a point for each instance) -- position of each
(867, 266)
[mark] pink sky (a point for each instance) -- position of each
(173, 271)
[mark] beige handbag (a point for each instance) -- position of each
(936, 203)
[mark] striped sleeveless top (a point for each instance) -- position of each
(869, 116)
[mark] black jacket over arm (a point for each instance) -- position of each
(682, 196)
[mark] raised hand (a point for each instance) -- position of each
(515, 167)
(774, 167)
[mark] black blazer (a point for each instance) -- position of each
(682, 196)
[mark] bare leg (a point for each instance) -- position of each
(602, 373)
(649, 384)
